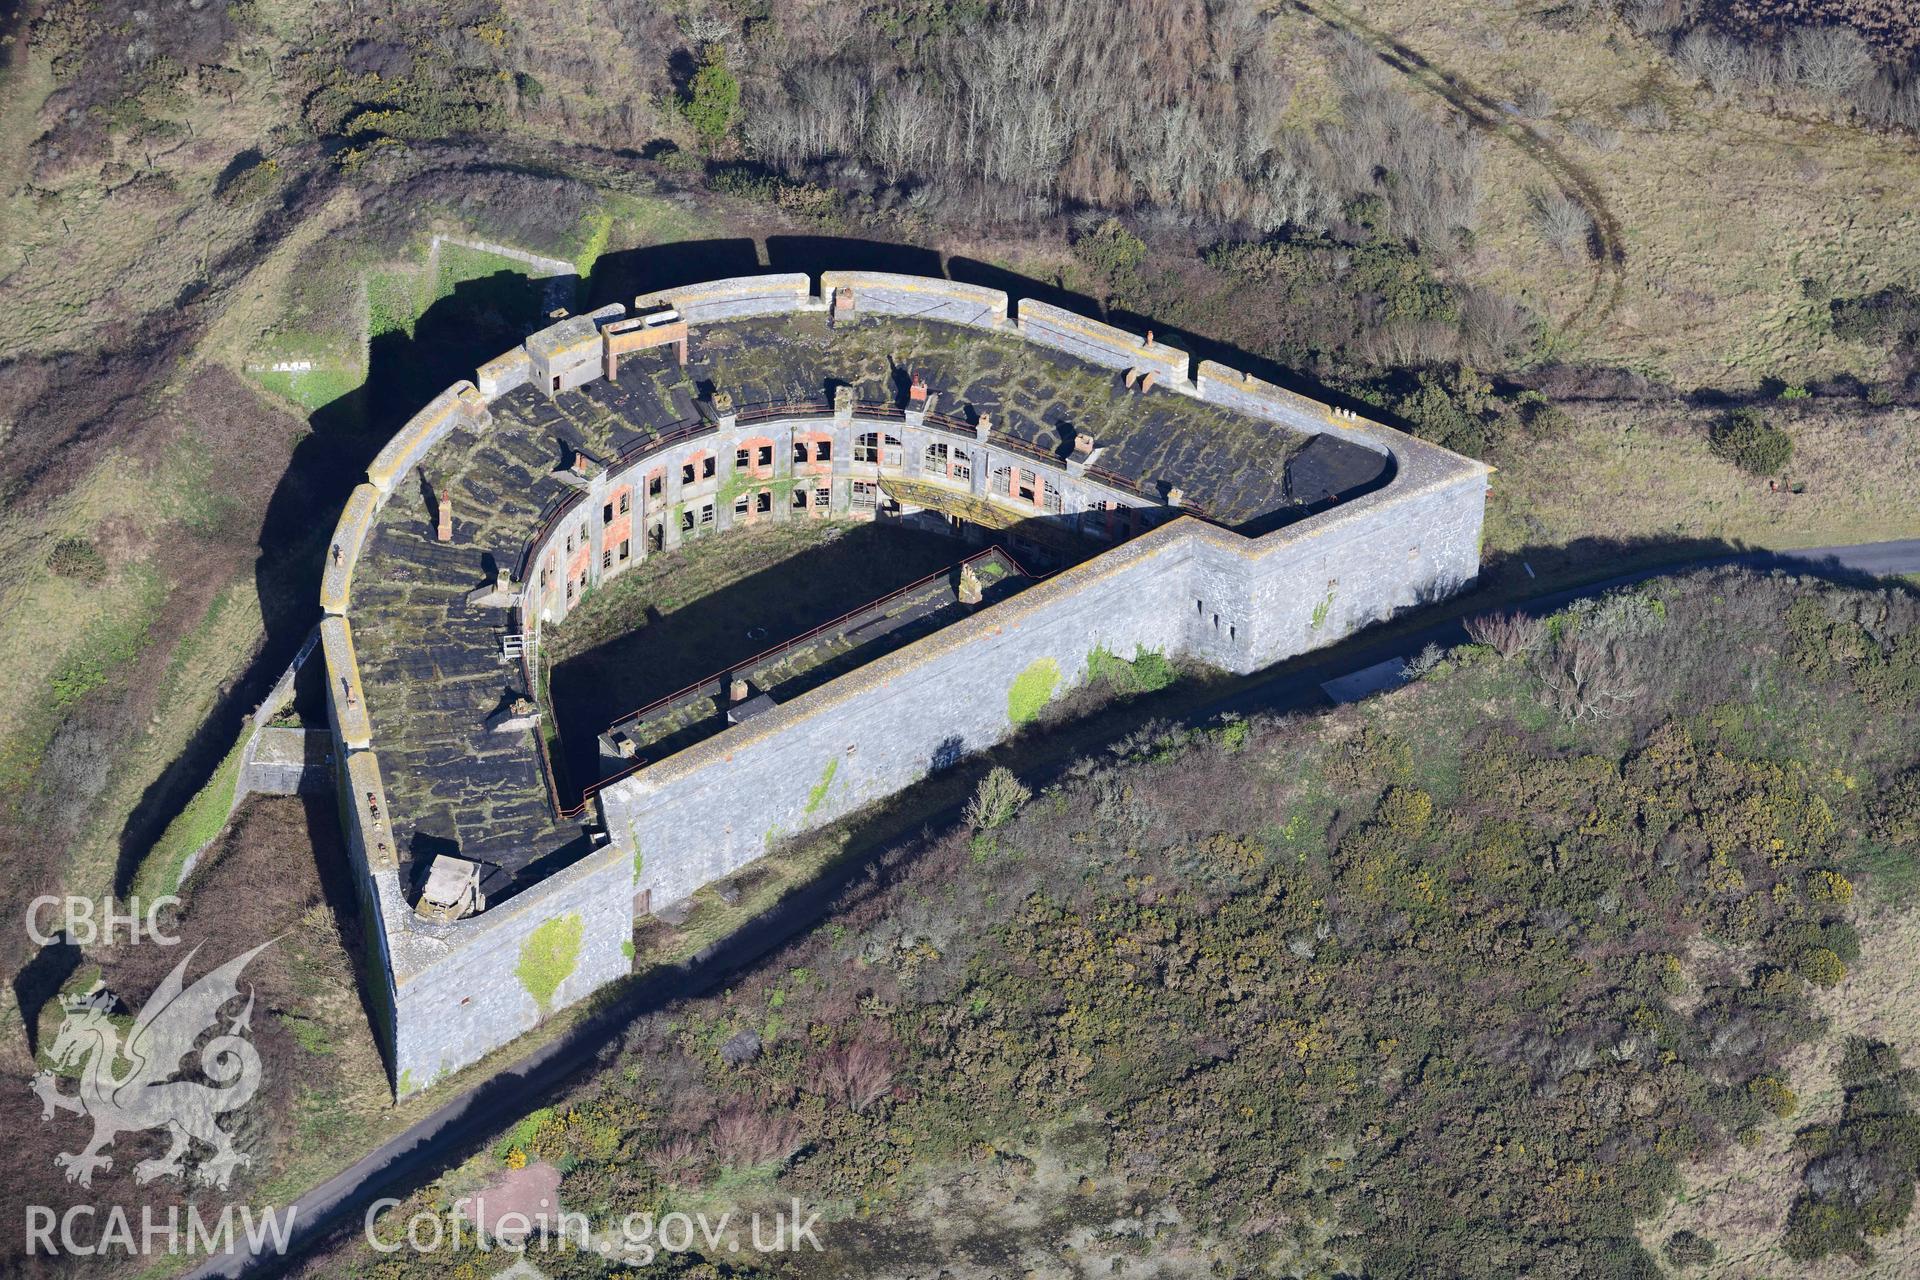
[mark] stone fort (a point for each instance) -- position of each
(1103, 490)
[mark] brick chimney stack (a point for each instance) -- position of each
(445, 532)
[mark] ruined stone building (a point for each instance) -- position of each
(1105, 491)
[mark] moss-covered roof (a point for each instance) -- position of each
(430, 662)
(1234, 466)
(431, 667)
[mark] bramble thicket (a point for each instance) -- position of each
(1366, 992)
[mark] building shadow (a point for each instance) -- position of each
(814, 254)
(625, 274)
(474, 322)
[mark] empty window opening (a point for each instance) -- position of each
(686, 522)
(766, 455)
(763, 501)
(740, 457)
(740, 505)
(800, 499)
(655, 483)
(626, 547)
(606, 514)
(626, 502)
(686, 473)
(799, 451)
(823, 451)
(707, 466)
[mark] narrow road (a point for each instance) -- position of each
(442, 1138)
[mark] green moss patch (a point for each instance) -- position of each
(1032, 690)
(818, 796)
(549, 956)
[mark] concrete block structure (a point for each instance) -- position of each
(1198, 512)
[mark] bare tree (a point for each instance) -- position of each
(1587, 675)
(1562, 221)
(1830, 61)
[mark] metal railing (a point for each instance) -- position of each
(566, 813)
(563, 507)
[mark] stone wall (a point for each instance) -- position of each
(737, 298)
(349, 536)
(448, 993)
(1049, 326)
(459, 405)
(916, 297)
(718, 805)
(462, 990)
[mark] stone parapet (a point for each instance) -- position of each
(459, 405)
(736, 298)
(344, 693)
(918, 297)
(1098, 343)
(349, 535)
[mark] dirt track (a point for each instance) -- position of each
(1608, 248)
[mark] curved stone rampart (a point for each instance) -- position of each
(343, 553)
(1099, 343)
(916, 298)
(736, 298)
(457, 405)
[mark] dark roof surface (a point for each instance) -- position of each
(1234, 466)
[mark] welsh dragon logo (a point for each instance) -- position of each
(145, 1094)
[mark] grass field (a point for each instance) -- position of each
(1724, 211)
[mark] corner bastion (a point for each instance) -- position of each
(1165, 504)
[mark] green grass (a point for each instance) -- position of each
(200, 822)
(314, 389)
(111, 644)
(460, 264)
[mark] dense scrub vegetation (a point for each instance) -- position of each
(1860, 57)
(1357, 994)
